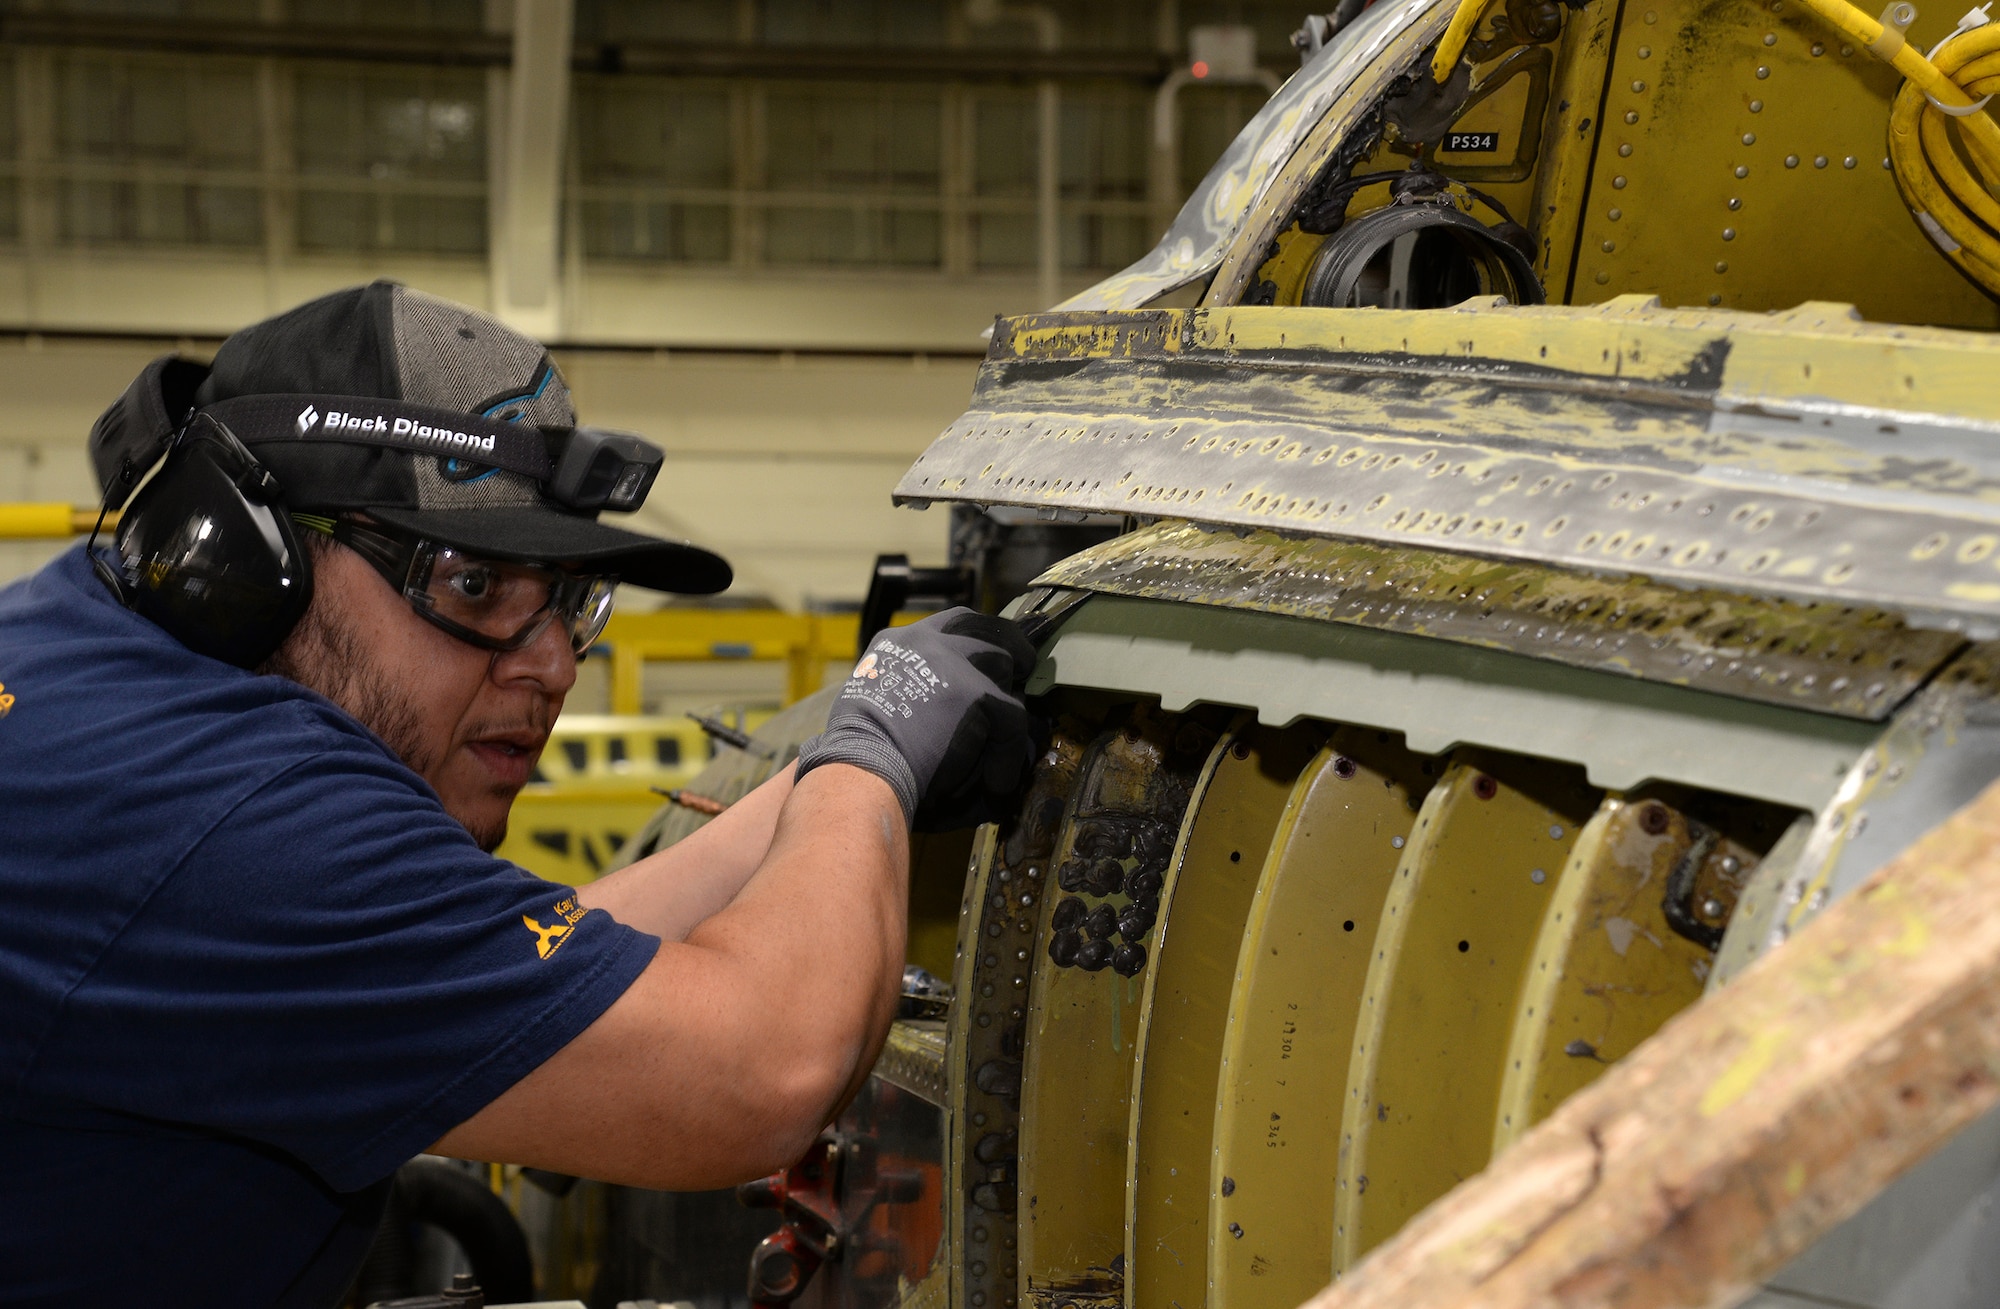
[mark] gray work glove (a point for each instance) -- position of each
(934, 709)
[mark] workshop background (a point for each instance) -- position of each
(767, 234)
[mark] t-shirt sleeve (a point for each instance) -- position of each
(338, 971)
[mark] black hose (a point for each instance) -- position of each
(431, 1193)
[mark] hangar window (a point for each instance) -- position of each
(853, 176)
(1103, 139)
(656, 20)
(656, 168)
(818, 134)
(150, 152)
(853, 22)
(391, 160)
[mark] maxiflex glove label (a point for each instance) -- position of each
(894, 679)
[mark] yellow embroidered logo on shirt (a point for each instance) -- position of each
(6, 701)
(548, 938)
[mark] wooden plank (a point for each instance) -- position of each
(1752, 1124)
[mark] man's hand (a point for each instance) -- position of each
(934, 709)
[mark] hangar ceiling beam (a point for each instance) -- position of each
(495, 50)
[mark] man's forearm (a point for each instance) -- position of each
(829, 927)
(730, 1052)
(669, 892)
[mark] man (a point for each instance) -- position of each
(254, 953)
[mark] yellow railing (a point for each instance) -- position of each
(48, 522)
(599, 780)
(805, 643)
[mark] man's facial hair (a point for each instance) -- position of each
(326, 655)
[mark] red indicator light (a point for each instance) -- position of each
(1199, 68)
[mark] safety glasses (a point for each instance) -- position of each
(491, 603)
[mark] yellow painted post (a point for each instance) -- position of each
(1458, 927)
(628, 665)
(806, 666)
(1077, 1080)
(1184, 1010)
(805, 643)
(1300, 971)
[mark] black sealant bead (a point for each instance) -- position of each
(1135, 921)
(1063, 948)
(1101, 841)
(1070, 876)
(1068, 914)
(1101, 922)
(1128, 959)
(1104, 877)
(1091, 956)
(995, 1147)
(1144, 885)
(1155, 844)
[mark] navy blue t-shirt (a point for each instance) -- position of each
(248, 966)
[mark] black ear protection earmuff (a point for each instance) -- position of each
(208, 551)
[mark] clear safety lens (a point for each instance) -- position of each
(506, 605)
(592, 612)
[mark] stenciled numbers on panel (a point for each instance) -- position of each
(1185, 1011)
(1300, 970)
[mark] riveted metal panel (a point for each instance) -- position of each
(1767, 455)
(913, 1059)
(1832, 658)
(1719, 127)
(1299, 976)
(1607, 969)
(1457, 928)
(1940, 750)
(1186, 1006)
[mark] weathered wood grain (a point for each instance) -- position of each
(1751, 1124)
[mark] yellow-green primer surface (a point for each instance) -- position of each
(1607, 970)
(1202, 910)
(1458, 925)
(1299, 977)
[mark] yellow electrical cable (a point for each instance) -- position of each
(1949, 181)
(1930, 171)
(1451, 46)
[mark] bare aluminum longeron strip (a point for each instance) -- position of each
(1636, 466)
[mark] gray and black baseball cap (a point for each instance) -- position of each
(431, 417)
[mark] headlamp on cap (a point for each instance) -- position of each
(602, 469)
